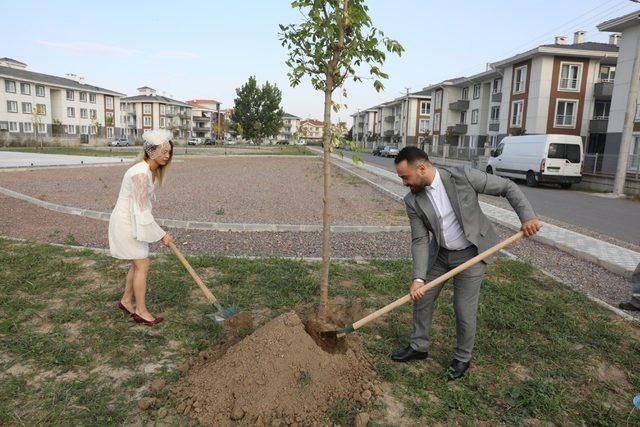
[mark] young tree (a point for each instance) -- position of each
(335, 40)
(257, 109)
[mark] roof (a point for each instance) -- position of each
(154, 98)
(448, 82)
(22, 74)
(586, 49)
(5, 59)
(620, 23)
(205, 101)
(604, 47)
(291, 116)
(145, 87)
(313, 122)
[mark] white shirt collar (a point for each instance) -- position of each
(437, 181)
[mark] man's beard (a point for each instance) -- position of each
(415, 189)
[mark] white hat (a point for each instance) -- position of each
(157, 136)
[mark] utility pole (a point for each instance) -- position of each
(627, 130)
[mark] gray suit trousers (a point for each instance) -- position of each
(466, 291)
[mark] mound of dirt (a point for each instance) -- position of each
(278, 375)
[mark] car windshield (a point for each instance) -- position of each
(570, 152)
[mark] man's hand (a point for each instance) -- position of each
(415, 291)
(166, 239)
(531, 227)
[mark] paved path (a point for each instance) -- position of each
(614, 258)
(15, 159)
(617, 218)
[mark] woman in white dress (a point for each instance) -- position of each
(132, 226)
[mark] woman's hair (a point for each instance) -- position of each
(162, 170)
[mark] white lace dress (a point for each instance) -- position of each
(131, 225)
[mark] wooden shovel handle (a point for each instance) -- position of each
(212, 299)
(476, 259)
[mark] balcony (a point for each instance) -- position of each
(603, 90)
(388, 133)
(496, 97)
(494, 126)
(389, 119)
(201, 119)
(361, 124)
(459, 105)
(598, 124)
(459, 129)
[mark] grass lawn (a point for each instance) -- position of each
(67, 356)
(76, 151)
(179, 150)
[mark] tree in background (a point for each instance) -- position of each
(257, 110)
(334, 41)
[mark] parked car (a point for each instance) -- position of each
(120, 142)
(301, 142)
(194, 141)
(556, 159)
(229, 142)
(376, 151)
(389, 151)
(209, 141)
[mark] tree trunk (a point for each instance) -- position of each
(326, 215)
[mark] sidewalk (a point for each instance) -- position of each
(614, 258)
(16, 159)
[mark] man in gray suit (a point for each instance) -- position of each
(448, 228)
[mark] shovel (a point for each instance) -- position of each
(397, 303)
(221, 314)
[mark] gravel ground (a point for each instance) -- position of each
(217, 189)
(42, 225)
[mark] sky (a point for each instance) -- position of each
(207, 49)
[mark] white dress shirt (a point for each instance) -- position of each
(453, 234)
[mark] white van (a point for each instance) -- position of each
(556, 159)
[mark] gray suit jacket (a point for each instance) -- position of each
(462, 186)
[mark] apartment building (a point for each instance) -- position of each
(148, 110)
(41, 105)
(207, 118)
(613, 91)
(290, 130)
(551, 89)
(311, 130)
(364, 131)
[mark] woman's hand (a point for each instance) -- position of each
(166, 239)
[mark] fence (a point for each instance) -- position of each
(606, 164)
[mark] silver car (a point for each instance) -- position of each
(389, 151)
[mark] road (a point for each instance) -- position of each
(617, 218)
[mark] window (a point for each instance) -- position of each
(497, 86)
(12, 106)
(25, 88)
(94, 130)
(71, 112)
(92, 98)
(516, 113)
(520, 79)
(498, 151)
(438, 99)
(39, 90)
(27, 127)
(93, 114)
(425, 107)
(10, 86)
(84, 129)
(109, 132)
(607, 73)
(436, 121)
(42, 128)
(26, 108)
(423, 125)
(570, 152)
(83, 113)
(474, 117)
(162, 109)
(109, 114)
(146, 108)
(70, 95)
(108, 102)
(161, 122)
(570, 77)
(13, 126)
(566, 113)
(147, 121)
(476, 91)
(41, 109)
(465, 93)
(83, 96)
(71, 129)
(601, 110)
(495, 114)
(463, 117)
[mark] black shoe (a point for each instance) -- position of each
(406, 354)
(457, 369)
(629, 306)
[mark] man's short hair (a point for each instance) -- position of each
(412, 155)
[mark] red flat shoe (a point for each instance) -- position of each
(125, 309)
(139, 319)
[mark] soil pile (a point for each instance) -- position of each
(278, 375)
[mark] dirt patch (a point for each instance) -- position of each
(520, 372)
(277, 375)
(605, 371)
